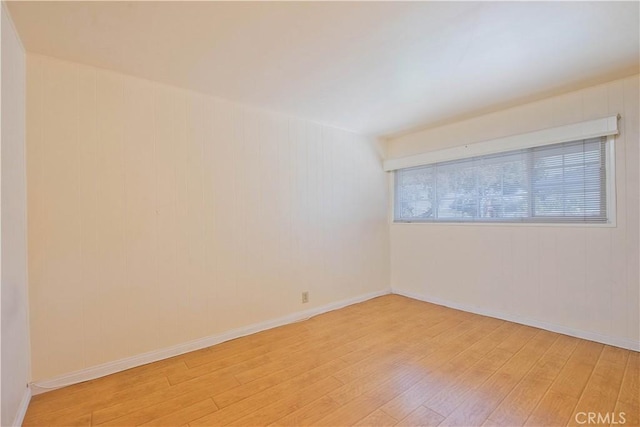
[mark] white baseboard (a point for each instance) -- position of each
(22, 409)
(64, 380)
(578, 333)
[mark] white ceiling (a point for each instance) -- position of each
(375, 68)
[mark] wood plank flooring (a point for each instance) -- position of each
(387, 361)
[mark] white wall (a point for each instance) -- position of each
(15, 328)
(571, 278)
(158, 216)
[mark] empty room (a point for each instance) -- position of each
(320, 213)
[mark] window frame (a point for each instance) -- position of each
(610, 188)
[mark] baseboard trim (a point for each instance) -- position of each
(94, 372)
(578, 333)
(22, 409)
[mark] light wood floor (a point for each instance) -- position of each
(387, 361)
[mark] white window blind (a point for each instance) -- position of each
(553, 183)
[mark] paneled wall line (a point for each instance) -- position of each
(627, 215)
(78, 175)
(156, 200)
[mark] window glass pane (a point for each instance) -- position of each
(457, 190)
(504, 186)
(568, 180)
(415, 189)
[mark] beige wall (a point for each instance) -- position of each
(15, 328)
(575, 278)
(158, 216)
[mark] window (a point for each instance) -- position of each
(558, 183)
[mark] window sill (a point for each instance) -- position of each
(610, 224)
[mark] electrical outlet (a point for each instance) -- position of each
(305, 297)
